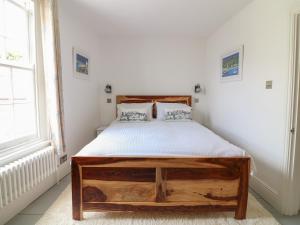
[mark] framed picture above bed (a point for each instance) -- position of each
(232, 65)
(80, 64)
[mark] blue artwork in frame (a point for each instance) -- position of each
(80, 64)
(232, 65)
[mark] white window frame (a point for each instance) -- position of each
(25, 145)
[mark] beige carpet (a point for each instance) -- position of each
(60, 213)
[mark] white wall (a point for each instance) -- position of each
(149, 66)
(81, 97)
(244, 112)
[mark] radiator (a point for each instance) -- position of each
(22, 175)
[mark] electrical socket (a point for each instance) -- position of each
(269, 84)
(63, 158)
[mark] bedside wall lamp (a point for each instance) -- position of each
(108, 89)
(197, 88)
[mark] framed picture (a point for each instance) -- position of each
(80, 64)
(232, 65)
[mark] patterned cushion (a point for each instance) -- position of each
(133, 116)
(178, 114)
(163, 106)
(135, 106)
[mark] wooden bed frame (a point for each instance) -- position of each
(201, 184)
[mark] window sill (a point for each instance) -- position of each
(11, 154)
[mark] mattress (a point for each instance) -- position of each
(159, 139)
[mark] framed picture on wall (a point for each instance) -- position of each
(232, 65)
(80, 64)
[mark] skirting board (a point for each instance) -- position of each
(14, 208)
(267, 193)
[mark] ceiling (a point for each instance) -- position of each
(155, 17)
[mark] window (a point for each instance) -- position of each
(18, 78)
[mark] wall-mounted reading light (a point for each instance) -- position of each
(197, 88)
(108, 89)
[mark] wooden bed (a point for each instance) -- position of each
(200, 184)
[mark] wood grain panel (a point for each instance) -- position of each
(119, 174)
(185, 99)
(202, 190)
(76, 190)
(241, 211)
(93, 194)
(201, 173)
(118, 191)
(232, 163)
(160, 185)
(181, 184)
(161, 207)
(222, 203)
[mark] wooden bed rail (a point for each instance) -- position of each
(164, 184)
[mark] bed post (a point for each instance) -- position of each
(240, 212)
(76, 190)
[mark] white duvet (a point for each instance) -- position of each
(158, 139)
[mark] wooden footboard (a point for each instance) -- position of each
(164, 184)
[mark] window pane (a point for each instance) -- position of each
(24, 119)
(22, 3)
(15, 20)
(5, 84)
(18, 115)
(1, 18)
(24, 102)
(23, 85)
(16, 32)
(6, 121)
(2, 49)
(17, 50)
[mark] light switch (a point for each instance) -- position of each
(269, 84)
(196, 100)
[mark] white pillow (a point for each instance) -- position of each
(133, 115)
(161, 107)
(146, 106)
(178, 115)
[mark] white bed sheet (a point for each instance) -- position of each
(159, 139)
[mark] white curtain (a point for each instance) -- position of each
(52, 71)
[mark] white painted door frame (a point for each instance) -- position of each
(290, 191)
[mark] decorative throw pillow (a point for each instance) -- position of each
(162, 106)
(133, 115)
(178, 114)
(135, 106)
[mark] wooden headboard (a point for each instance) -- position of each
(184, 99)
